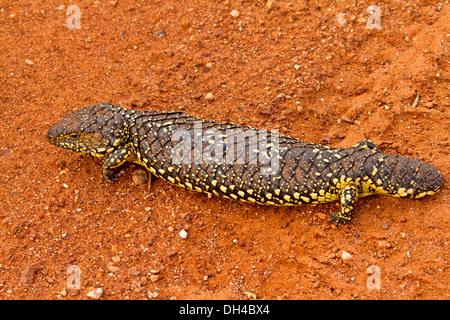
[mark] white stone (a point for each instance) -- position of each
(346, 256)
(183, 234)
(234, 13)
(95, 293)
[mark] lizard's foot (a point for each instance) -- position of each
(336, 216)
(109, 175)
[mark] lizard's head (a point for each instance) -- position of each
(95, 130)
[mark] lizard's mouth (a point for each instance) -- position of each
(51, 135)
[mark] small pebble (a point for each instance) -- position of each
(250, 295)
(136, 273)
(113, 3)
(234, 13)
(161, 34)
(346, 119)
(113, 268)
(197, 95)
(27, 275)
(5, 153)
(265, 109)
(95, 293)
(327, 138)
(139, 177)
(171, 253)
(154, 278)
(346, 256)
(183, 234)
(61, 163)
(29, 62)
(209, 97)
(384, 244)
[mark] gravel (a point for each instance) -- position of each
(95, 293)
(209, 97)
(234, 13)
(27, 275)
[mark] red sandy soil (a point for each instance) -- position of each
(292, 66)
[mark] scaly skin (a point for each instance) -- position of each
(303, 173)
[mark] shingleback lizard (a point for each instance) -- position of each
(304, 173)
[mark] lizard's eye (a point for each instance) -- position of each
(74, 135)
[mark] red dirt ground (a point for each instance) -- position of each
(292, 66)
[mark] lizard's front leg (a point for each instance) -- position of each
(116, 159)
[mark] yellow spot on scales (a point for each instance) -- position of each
(402, 192)
(171, 180)
(380, 190)
(305, 199)
(422, 194)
